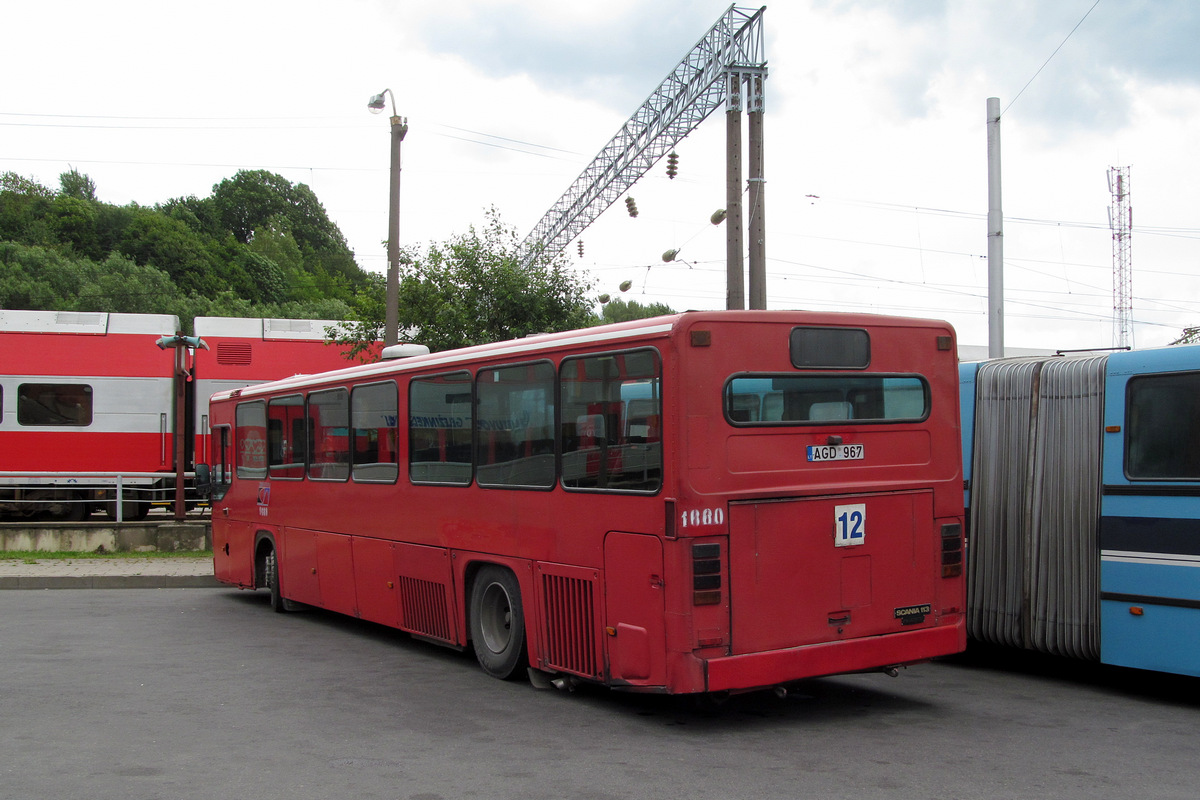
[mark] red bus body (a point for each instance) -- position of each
(90, 392)
(699, 547)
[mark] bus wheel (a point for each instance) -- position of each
(271, 569)
(497, 622)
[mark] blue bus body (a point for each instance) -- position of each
(1082, 477)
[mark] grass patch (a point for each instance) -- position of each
(30, 556)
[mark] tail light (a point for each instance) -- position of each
(952, 550)
(706, 574)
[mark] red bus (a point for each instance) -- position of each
(705, 502)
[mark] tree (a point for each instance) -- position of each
(618, 310)
(252, 199)
(74, 183)
(473, 289)
(24, 204)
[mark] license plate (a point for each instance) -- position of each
(835, 452)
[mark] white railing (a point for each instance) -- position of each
(26, 493)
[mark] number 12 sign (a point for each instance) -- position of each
(849, 525)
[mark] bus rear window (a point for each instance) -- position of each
(815, 399)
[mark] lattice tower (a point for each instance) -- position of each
(1120, 221)
(693, 90)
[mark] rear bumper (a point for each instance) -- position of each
(754, 670)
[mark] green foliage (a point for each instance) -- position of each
(626, 311)
(473, 289)
(75, 184)
(280, 256)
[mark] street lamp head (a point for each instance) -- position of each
(376, 103)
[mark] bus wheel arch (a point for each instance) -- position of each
(496, 618)
(266, 571)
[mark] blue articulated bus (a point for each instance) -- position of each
(1082, 481)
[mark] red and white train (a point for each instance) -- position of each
(85, 397)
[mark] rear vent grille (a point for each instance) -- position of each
(424, 608)
(570, 624)
(234, 353)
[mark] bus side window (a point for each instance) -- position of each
(250, 439)
(328, 435)
(514, 443)
(287, 439)
(611, 434)
(1162, 425)
(440, 421)
(374, 422)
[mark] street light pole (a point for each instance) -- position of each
(391, 311)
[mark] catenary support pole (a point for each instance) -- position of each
(995, 234)
(735, 292)
(756, 197)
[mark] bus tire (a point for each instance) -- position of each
(498, 622)
(271, 570)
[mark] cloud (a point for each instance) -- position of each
(1087, 82)
(615, 52)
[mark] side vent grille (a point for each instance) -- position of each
(423, 604)
(235, 353)
(570, 614)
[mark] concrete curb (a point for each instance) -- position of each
(109, 582)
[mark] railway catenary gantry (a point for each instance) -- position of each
(730, 52)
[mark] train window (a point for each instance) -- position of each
(329, 432)
(287, 437)
(514, 425)
(250, 439)
(440, 420)
(374, 417)
(68, 404)
(1162, 427)
(611, 422)
(821, 399)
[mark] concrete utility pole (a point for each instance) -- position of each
(392, 300)
(995, 235)
(735, 292)
(757, 194)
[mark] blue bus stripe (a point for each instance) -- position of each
(1151, 535)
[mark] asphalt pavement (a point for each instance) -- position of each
(106, 573)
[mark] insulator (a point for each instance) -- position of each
(624, 287)
(672, 164)
(670, 255)
(632, 206)
(718, 216)
(581, 248)
(604, 298)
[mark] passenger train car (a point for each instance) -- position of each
(91, 393)
(1083, 489)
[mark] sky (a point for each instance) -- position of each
(875, 137)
